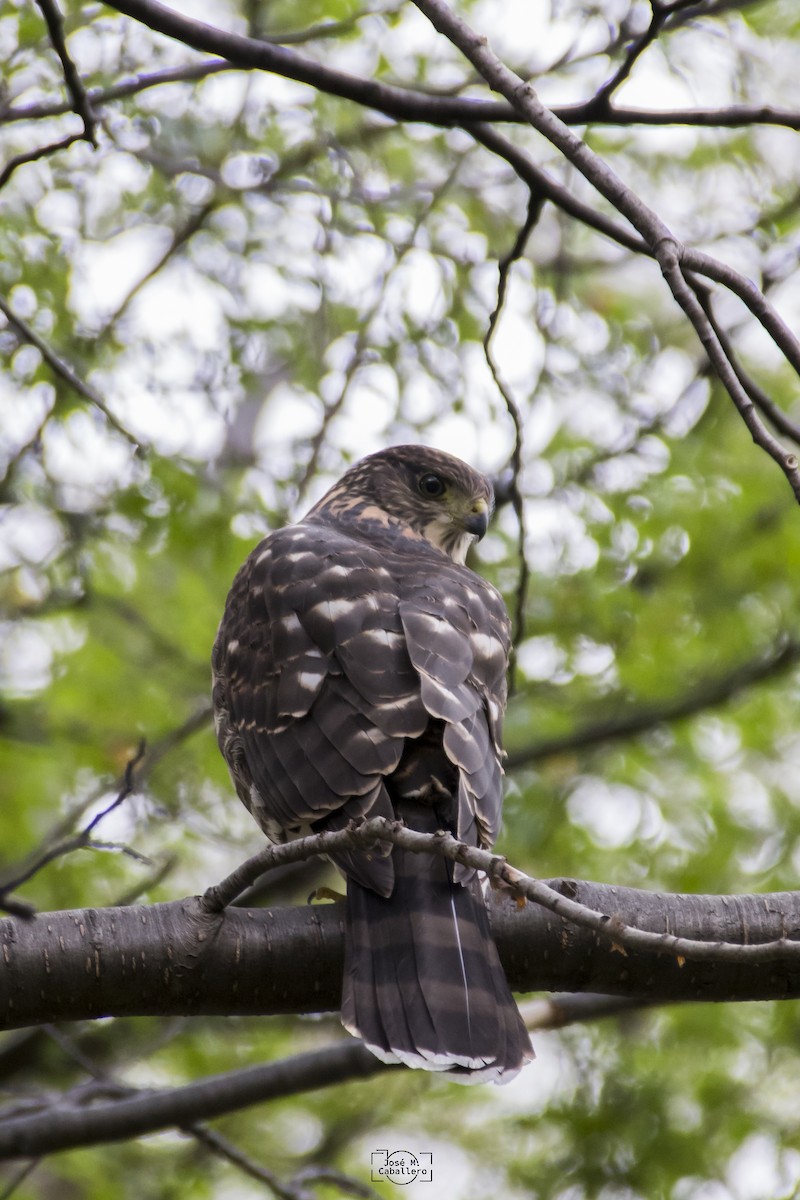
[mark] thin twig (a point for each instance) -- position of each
(19, 1178)
(764, 402)
(536, 201)
(180, 237)
(83, 839)
(672, 257)
(292, 1189)
(377, 830)
(80, 101)
(66, 372)
(646, 716)
(539, 180)
(242, 53)
(30, 156)
(334, 407)
(660, 14)
(404, 104)
(226, 1149)
(745, 289)
(99, 97)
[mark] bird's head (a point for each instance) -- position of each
(438, 497)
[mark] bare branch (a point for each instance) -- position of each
(80, 840)
(660, 15)
(133, 1112)
(536, 201)
(670, 257)
(18, 1178)
(774, 414)
(99, 97)
(242, 53)
(735, 116)
(30, 156)
(132, 1116)
(673, 258)
(178, 958)
(254, 55)
(706, 695)
(65, 371)
(226, 1150)
(80, 101)
(292, 1189)
(376, 830)
(193, 223)
(540, 181)
(155, 752)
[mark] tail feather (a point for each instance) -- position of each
(423, 983)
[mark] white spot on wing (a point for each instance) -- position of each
(309, 680)
(296, 556)
(397, 702)
(383, 637)
(485, 644)
(334, 608)
(433, 623)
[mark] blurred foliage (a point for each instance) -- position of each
(265, 284)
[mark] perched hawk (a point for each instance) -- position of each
(359, 670)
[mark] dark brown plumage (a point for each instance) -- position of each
(359, 670)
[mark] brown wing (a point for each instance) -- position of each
(314, 689)
(335, 664)
(457, 633)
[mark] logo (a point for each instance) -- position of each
(401, 1167)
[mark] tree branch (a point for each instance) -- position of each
(66, 372)
(131, 1113)
(78, 841)
(80, 102)
(536, 200)
(19, 160)
(400, 103)
(378, 830)
(708, 694)
(673, 258)
(251, 54)
(181, 958)
(63, 1128)
(659, 14)
(99, 97)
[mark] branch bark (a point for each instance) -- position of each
(180, 958)
(63, 1128)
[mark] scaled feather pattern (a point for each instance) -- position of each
(360, 670)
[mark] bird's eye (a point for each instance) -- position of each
(431, 485)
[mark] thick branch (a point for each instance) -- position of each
(67, 1127)
(179, 958)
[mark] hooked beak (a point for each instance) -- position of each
(477, 521)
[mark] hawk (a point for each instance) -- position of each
(360, 670)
